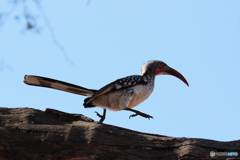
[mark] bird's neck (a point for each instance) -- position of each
(150, 77)
(149, 73)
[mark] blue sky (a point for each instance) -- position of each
(107, 40)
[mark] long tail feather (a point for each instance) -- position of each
(56, 84)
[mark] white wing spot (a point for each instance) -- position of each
(118, 86)
(145, 79)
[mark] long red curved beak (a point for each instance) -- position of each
(175, 73)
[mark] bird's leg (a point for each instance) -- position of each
(101, 116)
(138, 113)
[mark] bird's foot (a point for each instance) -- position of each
(101, 116)
(141, 114)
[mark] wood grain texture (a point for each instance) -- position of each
(27, 133)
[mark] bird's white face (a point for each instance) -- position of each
(154, 65)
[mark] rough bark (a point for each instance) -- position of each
(27, 133)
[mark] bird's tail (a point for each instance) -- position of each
(56, 84)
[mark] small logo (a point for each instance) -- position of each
(212, 154)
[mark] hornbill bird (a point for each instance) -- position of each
(121, 94)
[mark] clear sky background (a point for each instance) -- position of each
(107, 40)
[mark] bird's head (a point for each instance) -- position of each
(156, 67)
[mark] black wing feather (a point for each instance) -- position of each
(121, 83)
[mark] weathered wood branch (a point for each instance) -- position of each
(27, 133)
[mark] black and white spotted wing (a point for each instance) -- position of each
(122, 84)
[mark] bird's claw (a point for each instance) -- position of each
(99, 115)
(133, 115)
(141, 114)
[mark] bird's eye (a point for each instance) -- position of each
(162, 65)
